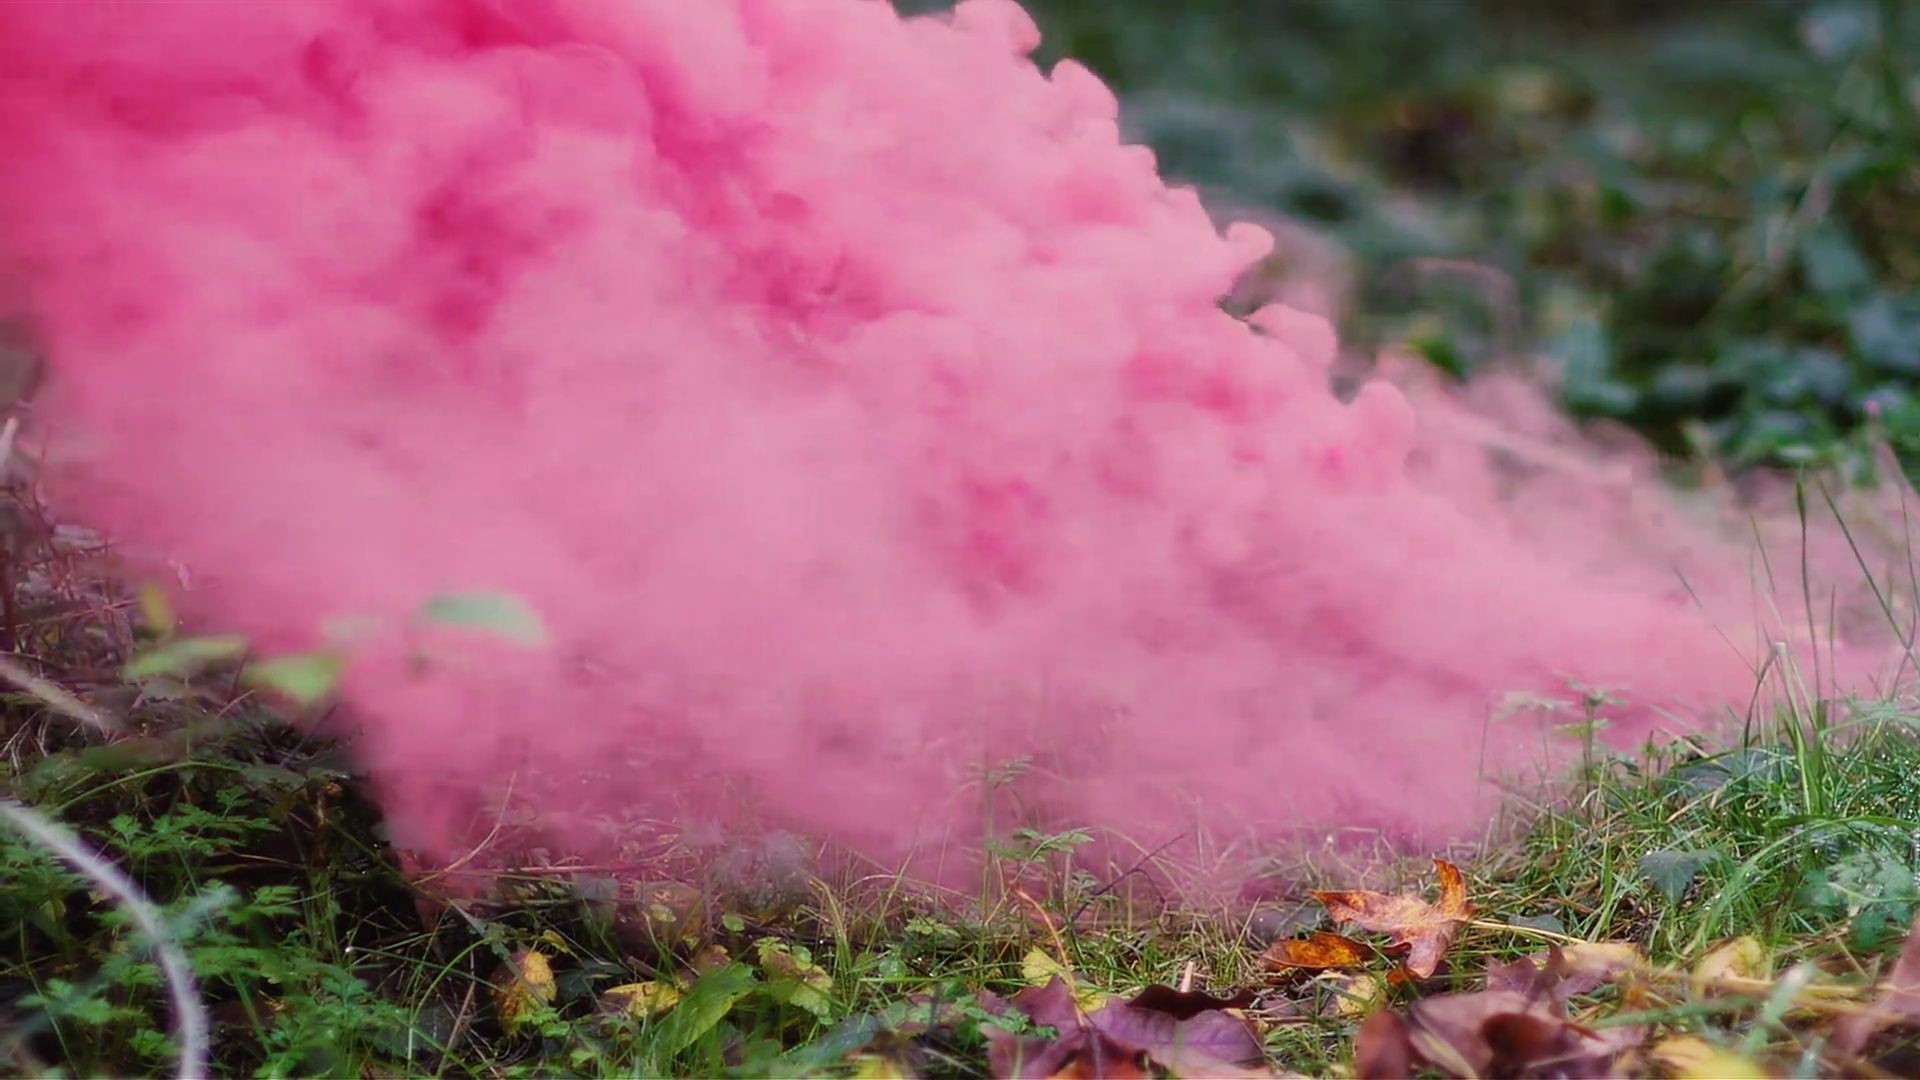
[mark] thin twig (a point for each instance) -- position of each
(1053, 932)
(1096, 894)
(499, 820)
(189, 1016)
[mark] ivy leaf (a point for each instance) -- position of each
(1672, 871)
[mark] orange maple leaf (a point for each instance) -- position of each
(1317, 952)
(1427, 929)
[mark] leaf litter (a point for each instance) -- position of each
(1572, 1009)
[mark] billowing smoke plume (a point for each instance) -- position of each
(855, 408)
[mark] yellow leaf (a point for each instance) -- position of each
(1690, 1058)
(880, 1067)
(157, 611)
(1355, 995)
(645, 1000)
(553, 938)
(1741, 960)
(707, 959)
(1601, 959)
(1039, 968)
(522, 987)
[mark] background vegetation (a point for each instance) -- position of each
(1704, 215)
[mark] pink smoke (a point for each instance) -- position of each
(852, 404)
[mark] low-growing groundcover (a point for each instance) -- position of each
(1675, 913)
(1702, 218)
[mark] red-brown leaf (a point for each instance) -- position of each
(1319, 952)
(1382, 1048)
(1426, 928)
(1899, 1004)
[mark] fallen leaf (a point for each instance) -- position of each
(1743, 958)
(1356, 995)
(1899, 1004)
(1198, 1043)
(1052, 1005)
(1187, 1004)
(1124, 1038)
(1527, 976)
(1039, 967)
(1077, 1049)
(645, 1000)
(522, 986)
(1601, 961)
(1319, 951)
(1689, 1058)
(1426, 929)
(1383, 1048)
(1504, 1033)
(1566, 971)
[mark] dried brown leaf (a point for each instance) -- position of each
(1080, 1053)
(1320, 951)
(1187, 1004)
(1383, 1048)
(1197, 1046)
(1427, 929)
(1188, 1033)
(1562, 972)
(1899, 1004)
(1505, 1033)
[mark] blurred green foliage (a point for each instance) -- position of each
(1708, 211)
